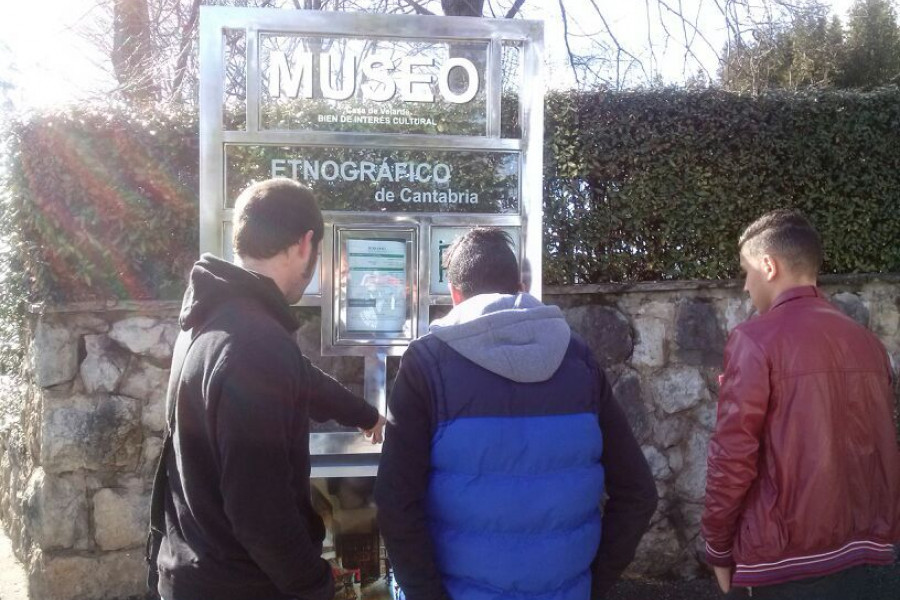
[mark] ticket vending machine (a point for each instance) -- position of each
(410, 130)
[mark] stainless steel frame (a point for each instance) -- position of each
(345, 453)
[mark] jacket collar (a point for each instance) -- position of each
(803, 291)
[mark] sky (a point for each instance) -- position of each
(628, 20)
(40, 44)
(44, 53)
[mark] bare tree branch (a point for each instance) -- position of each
(514, 9)
(463, 8)
(687, 44)
(565, 20)
(420, 10)
(686, 22)
(132, 51)
(187, 35)
(653, 59)
(620, 50)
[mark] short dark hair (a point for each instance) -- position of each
(272, 215)
(788, 235)
(482, 261)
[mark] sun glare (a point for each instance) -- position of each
(45, 55)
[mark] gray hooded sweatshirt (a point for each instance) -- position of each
(516, 337)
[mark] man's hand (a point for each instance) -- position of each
(376, 433)
(723, 576)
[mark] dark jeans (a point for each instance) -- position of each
(849, 584)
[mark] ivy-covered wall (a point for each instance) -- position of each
(101, 202)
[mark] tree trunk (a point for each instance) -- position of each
(463, 8)
(132, 52)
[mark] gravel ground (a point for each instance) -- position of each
(887, 587)
(13, 581)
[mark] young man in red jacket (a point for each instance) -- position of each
(803, 486)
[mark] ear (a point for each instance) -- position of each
(769, 267)
(456, 295)
(306, 245)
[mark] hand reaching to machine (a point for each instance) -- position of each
(376, 433)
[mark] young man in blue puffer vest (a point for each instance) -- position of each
(503, 439)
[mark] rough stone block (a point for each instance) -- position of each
(659, 465)
(688, 520)
(108, 576)
(671, 430)
(145, 381)
(676, 459)
(55, 508)
(54, 354)
(148, 383)
(153, 415)
(679, 388)
(627, 391)
(605, 330)
(658, 552)
(884, 320)
(120, 516)
(852, 306)
(86, 324)
(650, 346)
(698, 338)
(736, 311)
(664, 311)
(691, 481)
(146, 336)
(82, 432)
(706, 414)
(15, 463)
(691, 514)
(149, 457)
(104, 365)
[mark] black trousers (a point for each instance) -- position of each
(850, 584)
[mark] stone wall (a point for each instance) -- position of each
(78, 462)
(662, 346)
(80, 439)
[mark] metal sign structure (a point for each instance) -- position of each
(410, 129)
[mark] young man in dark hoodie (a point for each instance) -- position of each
(503, 438)
(239, 524)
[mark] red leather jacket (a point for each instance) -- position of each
(804, 468)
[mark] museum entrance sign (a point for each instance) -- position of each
(410, 129)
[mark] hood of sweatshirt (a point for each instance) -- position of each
(213, 281)
(516, 337)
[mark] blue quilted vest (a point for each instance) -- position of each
(516, 484)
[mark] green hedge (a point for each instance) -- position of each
(658, 185)
(101, 202)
